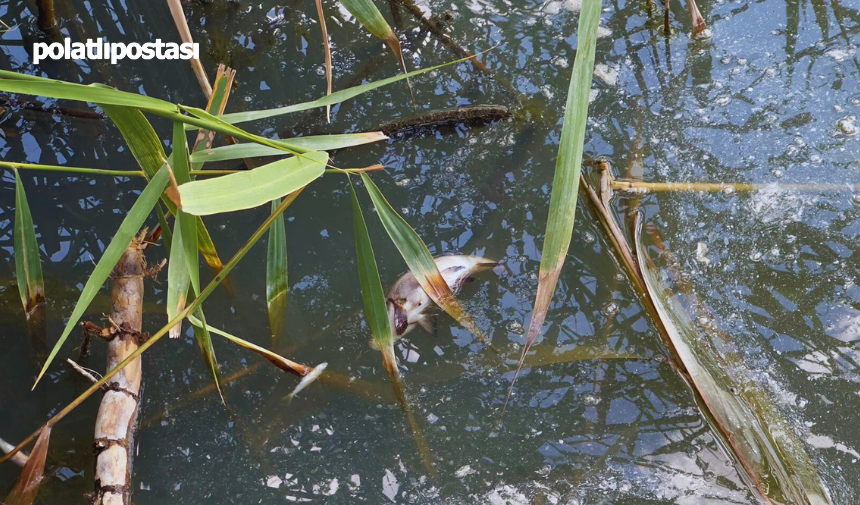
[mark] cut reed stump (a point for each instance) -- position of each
(116, 424)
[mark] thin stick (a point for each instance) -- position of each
(185, 34)
(81, 370)
(72, 170)
(664, 187)
(327, 50)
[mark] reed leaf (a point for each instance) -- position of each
(279, 361)
(277, 285)
(99, 94)
(418, 259)
(25, 488)
(183, 258)
(740, 410)
(178, 273)
(333, 99)
(184, 244)
(310, 143)
(372, 293)
(204, 342)
(132, 222)
(28, 264)
(565, 184)
(369, 16)
(245, 190)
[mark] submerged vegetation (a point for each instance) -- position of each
(183, 196)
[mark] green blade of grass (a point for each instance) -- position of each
(372, 293)
(140, 137)
(418, 258)
(310, 143)
(99, 94)
(166, 234)
(565, 183)
(178, 274)
(132, 222)
(277, 285)
(252, 188)
(279, 361)
(28, 263)
(25, 488)
(333, 99)
(183, 258)
(369, 16)
(204, 342)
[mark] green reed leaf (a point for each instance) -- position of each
(245, 190)
(28, 263)
(565, 183)
(277, 285)
(310, 143)
(132, 222)
(372, 293)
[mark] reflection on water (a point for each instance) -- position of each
(770, 98)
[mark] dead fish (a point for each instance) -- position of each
(408, 303)
(306, 380)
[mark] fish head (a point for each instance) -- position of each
(397, 317)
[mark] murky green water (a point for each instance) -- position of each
(758, 102)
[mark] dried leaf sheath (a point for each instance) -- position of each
(25, 488)
(116, 423)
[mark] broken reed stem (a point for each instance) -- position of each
(47, 19)
(185, 34)
(81, 370)
(213, 284)
(116, 423)
(666, 187)
(18, 458)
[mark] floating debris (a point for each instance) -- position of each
(464, 471)
(607, 74)
(848, 125)
(702, 253)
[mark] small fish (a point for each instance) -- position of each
(408, 303)
(306, 380)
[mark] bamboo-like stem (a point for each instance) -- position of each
(665, 187)
(185, 34)
(116, 422)
(163, 331)
(71, 170)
